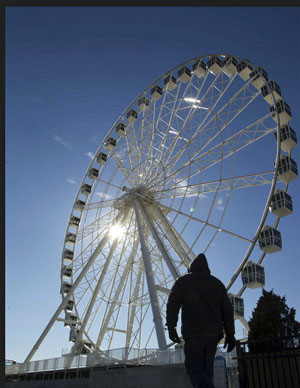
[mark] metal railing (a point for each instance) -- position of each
(108, 358)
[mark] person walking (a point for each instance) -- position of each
(206, 313)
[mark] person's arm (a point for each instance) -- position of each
(174, 303)
(228, 320)
(227, 315)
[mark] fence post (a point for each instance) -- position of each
(241, 365)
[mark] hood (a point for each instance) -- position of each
(199, 264)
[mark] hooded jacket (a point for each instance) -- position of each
(206, 307)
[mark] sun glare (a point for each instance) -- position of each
(116, 231)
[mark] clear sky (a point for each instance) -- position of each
(70, 73)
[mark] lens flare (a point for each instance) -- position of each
(116, 231)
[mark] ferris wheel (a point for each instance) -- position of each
(191, 165)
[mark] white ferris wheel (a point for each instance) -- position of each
(191, 165)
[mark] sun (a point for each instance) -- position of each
(116, 231)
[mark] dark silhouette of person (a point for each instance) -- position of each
(206, 313)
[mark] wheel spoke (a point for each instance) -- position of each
(183, 189)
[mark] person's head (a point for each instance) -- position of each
(199, 264)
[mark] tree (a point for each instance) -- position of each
(273, 324)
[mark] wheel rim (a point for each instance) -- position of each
(177, 160)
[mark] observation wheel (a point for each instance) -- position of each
(191, 165)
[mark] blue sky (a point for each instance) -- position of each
(70, 73)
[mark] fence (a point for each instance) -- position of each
(269, 364)
(114, 357)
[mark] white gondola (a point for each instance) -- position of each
(143, 104)
(120, 129)
(132, 116)
(101, 158)
(67, 271)
(281, 204)
(79, 205)
(253, 275)
(287, 169)
(70, 238)
(244, 68)
(238, 305)
(215, 65)
(93, 173)
(270, 88)
(288, 138)
(184, 74)
(170, 82)
(156, 92)
(258, 77)
(73, 335)
(66, 287)
(284, 112)
(86, 189)
(110, 144)
(230, 66)
(199, 68)
(70, 305)
(68, 255)
(74, 221)
(270, 240)
(71, 317)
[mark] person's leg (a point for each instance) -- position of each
(195, 363)
(211, 349)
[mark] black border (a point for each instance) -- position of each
(2, 197)
(80, 3)
(150, 3)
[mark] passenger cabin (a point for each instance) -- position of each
(86, 189)
(93, 173)
(244, 68)
(199, 68)
(156, 92)
(238, 305)
(170, 82)
(214, 65)
(71, 317)
(120, 129)
(230, 66)
(288, 138)
(270, 88)
(79, 205)
(70, 238)
(70, 305)
(253, 275)
(110, 144)
(67, 271)
(284, 112)
(132, 116)
(73, 335)
(68, 255)
(287, 169)
(270, 240)
(281, 204)
(101, 158)
(258, 77)
(143, 103)
(74, 221)
(184, 74)
(66, 287)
